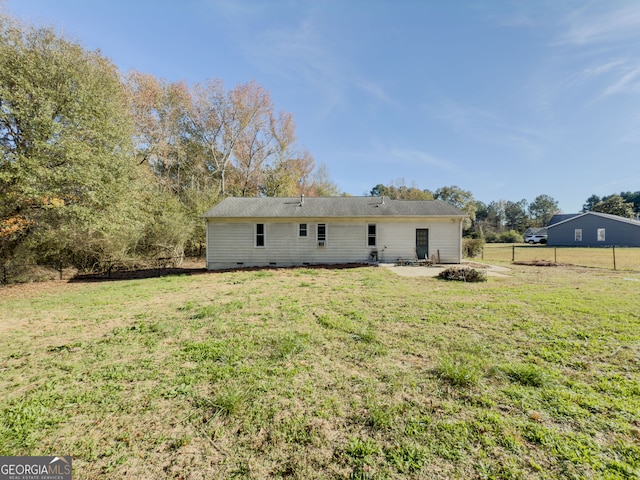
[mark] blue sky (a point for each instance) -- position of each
(507, 99)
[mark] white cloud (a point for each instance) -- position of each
(590, 25)
(376, 91)
(626, 83)
(596, 71)
(294, 47)
(488, 127)
(421, 159)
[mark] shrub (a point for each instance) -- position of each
(472, 247)
(491, 237)
(510, 237)
(464, 274)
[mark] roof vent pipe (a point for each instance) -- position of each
(301, 199)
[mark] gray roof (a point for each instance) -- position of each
(561, 217)
(337, 207)
(536, 231)
(598, 214)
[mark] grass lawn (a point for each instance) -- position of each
(312, 373)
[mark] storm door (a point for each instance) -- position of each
(422, 242)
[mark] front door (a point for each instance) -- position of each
(422, 243)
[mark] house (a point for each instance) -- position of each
(561, 217)
(594, 229)
(245, 232)
(556, 218)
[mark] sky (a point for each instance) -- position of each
(509, 99)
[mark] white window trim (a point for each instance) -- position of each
(255, 235)
(601, 234)
(326, 235)
(577, 233)
(298, 230)
(375, 236)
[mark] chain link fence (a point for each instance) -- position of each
(13, 273)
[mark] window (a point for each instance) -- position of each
(302, 230)
(259, 234)
(578, 234)
(322, 234)
(371, 235)
(601, 234)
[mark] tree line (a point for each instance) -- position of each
(624, 204)
(98, 166)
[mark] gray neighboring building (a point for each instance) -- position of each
(561, 217)
(246, 232)
(593, 229)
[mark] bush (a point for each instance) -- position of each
(472, 247)
(464, 274)
(510, 237)
(491, 237)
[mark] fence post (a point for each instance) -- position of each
(555, 254)
(4, 274)
(614, 257)
(482, 253)
(60, 268)
(513, 253)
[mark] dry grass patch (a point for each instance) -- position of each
(626, 258)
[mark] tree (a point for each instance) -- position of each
(243, 143)
(219, 121)
(379, 191)
(590, 203)
(615, 205)
(462, 199)
(158, 109)
(542, 209)
(319, 183)
(516, 215)
(632, 197)
(67, 176)
(398, 190)
(613, 202)
(496, 217)
(293, 177)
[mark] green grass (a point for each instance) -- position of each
(339, 374)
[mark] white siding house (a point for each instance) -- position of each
(248, 232)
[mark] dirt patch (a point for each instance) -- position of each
(541, 263)
(136, 274)
(434, 270)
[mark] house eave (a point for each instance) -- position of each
(344, 217)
